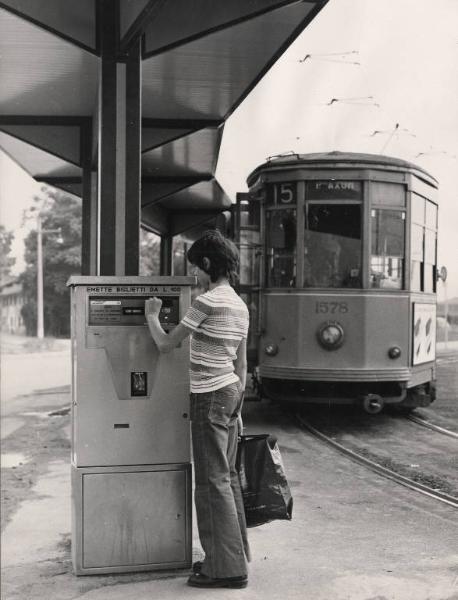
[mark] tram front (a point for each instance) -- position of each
(343, 295)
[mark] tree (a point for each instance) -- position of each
(6, 261)
(150, 245)
(61, 259)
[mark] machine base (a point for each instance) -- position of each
(134, 518)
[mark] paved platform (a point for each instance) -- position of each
(354, 536)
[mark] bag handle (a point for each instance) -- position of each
(270, 439)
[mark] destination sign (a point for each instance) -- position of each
(334, 190)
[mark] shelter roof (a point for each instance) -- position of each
(200, 59)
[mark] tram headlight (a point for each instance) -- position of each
(330, 335)
(271, 349)
(394, 352)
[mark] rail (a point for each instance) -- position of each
(385, 472)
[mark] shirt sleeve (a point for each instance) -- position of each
(247, 325)
(195, 315)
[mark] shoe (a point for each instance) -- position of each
(202, 581)
(197, 566)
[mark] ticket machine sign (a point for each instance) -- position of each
(130, 310)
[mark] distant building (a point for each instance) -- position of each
(11, 303)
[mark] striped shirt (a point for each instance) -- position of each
(218, 320)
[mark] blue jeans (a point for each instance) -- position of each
(219, 505)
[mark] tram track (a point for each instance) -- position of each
(424, 423)
(376, 467)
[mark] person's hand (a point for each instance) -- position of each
(153, 306)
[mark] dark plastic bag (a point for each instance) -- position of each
(265, 490)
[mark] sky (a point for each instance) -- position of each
(407, 52)
(386, 62)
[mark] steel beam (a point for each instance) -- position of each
(133, 159)
(107, 128)
(119, 147)
(88, 226)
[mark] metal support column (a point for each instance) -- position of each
(166, 254)
(119, 148)
(89, 218)
(107, 128)
(133, 159)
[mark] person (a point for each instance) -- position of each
(217, 321)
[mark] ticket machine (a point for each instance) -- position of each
(131, 465)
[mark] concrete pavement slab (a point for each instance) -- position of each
(354, 536)
(36, 531)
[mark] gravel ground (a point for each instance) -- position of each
(444, 410)
(422, 455)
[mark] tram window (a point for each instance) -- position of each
(250, 215)
(387, 194)
(416, 250)
(332, 245)
(281, 248)
(430, 261)
(418, 209)
(249, 257)
(423, 245)
(431, 215)
(387, 252)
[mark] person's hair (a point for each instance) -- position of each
(221, 252)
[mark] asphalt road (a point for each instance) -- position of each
(24, 378)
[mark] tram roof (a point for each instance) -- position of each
(336, 159)
(200, 59)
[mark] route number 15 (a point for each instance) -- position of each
(284, 193)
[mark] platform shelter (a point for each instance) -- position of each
(124, 102)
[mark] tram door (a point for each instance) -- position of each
(246, 219)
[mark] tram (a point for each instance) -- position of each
(338, 268)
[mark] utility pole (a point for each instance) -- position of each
(40, 312)
(40, 302)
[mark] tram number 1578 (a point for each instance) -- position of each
(331, 307)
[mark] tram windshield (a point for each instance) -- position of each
(332, 244)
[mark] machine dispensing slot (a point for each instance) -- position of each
(139, 383)
(121, 425)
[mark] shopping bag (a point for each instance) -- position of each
(265, 489)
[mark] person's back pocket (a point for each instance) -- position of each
(223, 404)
